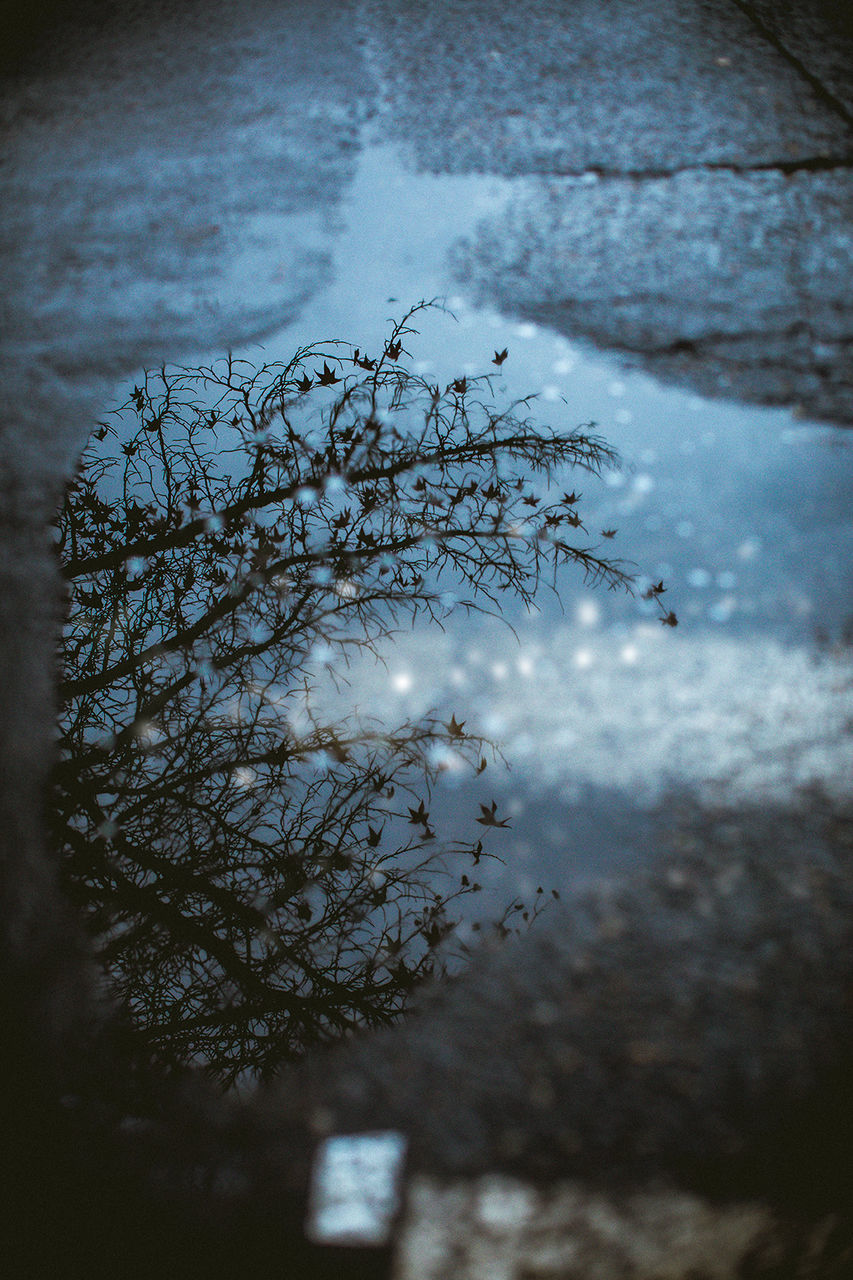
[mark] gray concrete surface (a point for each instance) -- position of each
(171, 180)
(761, 301)
(724, 172)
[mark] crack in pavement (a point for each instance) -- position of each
(806, 164)
(822, 90)
(709, 341)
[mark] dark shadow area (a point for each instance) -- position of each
(31, 30)
(689, 1023)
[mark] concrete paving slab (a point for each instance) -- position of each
(737, 283)
(542, 88)
(697, 167)
(172, 182)
(815, 34)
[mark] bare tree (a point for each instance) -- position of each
(259, 880)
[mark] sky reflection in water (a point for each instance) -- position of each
(743, 511)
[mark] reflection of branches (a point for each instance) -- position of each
(253, 883)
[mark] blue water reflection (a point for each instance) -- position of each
(745, 512)
(604, 717)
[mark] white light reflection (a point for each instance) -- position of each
(728, 718)
(588, 613)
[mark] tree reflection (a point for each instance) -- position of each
(258, 879)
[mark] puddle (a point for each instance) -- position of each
(744, 511)
(601, 713)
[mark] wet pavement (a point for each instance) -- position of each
(684, 182)
(662, 195)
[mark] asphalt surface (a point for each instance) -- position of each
(689, 193)
(173, 180)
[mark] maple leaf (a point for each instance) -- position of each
(327, 378)
(419, 816)
(305, 383)
(653, 591)
(670, 620)
(571, 498)
(608, 533)
(138, 399)
(460, 385)
(500, 356)
(488, 816)
(373, 836)
(454, 728)
(394, 348)
(363, 362)
(530, 501)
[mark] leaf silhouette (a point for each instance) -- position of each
(500, 356)
(327, 378)
(454, 728)
(419, 816)
(488, 816)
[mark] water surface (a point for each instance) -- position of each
(743, 511)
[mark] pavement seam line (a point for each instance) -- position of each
(808, 164)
